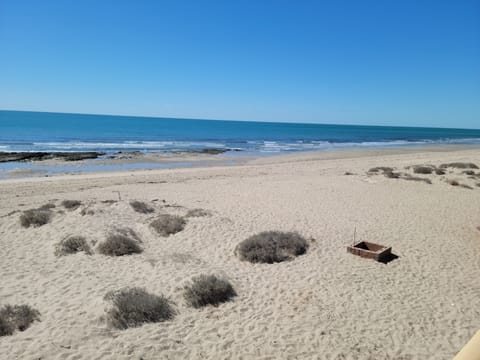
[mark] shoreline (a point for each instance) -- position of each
(136, 161)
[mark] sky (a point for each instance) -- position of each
(384, 62)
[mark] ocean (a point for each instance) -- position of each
(41, 131)
(22, 131)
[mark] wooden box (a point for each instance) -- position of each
(370, 251)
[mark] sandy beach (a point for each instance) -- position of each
(325, 304)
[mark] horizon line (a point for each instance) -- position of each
(234, 120)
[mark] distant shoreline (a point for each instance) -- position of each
(75, 163)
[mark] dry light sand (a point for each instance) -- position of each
(327, 304)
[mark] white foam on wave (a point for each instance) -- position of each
(124, 145)
(262, 146)
(273, 146)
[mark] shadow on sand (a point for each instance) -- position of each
(389, 258)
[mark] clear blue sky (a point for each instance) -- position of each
(398, 62)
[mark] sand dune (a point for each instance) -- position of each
(326, 304)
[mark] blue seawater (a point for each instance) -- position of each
(41, 131)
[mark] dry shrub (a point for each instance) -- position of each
(141, 207)
(128, 232)
(439, 171)
(381, 169)
(72, 245)
(453, 182)
(392, 175)
(5, 327)
(387, 172)
(47, 206)
(35, 217)
(423, 169)
(416, 178)
(198, 213)
(166, 224)
(118, 244)
(271, 247)
(459, 165)
(71, 204)
(16, 317)
(208, 290)
(87, 211)
(132, 307)
(468, 172)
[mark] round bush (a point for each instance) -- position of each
(16, 317)
(272, 247)
(198, 213)
(166, 224)
(35, 217)
(141, 207)
(208, 290)
(459, 165)
(422, 170)
(5, 327)
(132, 307)
(119, 245)
(72, 245)
(71, 204)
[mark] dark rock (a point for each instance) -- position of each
(40, 156)
(210, 151)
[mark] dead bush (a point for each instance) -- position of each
(271, 247)
(388, 172)
(119, 245)
(128, 232)
(198, 213)
(416, 178)
(208, 290)
(132, 307)
(166, 224)
(381, 169)
(16, 317)
(422, 170)
(35, 217)
(459, 165)
(87, 211)
(72, 245)
(47, 206)
(141, 207)
(392, 175)
(71, 204)
(5, 327)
